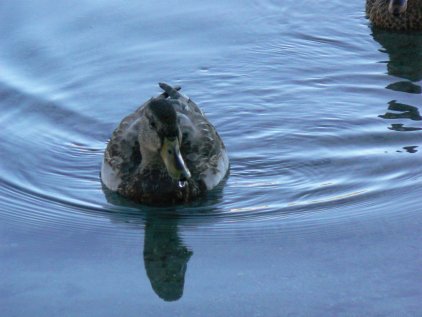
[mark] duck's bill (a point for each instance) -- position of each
(176, 167)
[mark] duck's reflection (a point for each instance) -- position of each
(165, 257)
(404, 62)
(404, 51)
(398, 110)
(410, 149)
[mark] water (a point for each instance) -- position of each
(320, 215)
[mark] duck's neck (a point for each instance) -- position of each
(151, 160)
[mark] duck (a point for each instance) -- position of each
(395, 15)
(165, 152)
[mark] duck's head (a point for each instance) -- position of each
(160, 133)
(397, 7)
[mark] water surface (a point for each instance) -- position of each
(321, 117)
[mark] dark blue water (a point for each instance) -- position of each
(321, 214)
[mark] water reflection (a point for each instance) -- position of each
(405, 86)
(398, 110)
(409, 149)
(401, 111)
(405, 62)
(165, 256)
(404, 51)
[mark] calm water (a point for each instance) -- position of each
(321, 214)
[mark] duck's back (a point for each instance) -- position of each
(122, 156)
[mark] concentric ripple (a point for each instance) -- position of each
(320, 125)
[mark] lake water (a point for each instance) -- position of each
(321, 214)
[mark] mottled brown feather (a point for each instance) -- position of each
(410, 20)
(153, 184)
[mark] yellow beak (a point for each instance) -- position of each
(173, 160)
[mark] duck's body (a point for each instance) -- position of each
(397, 15)
(165, 152)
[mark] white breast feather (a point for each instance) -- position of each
(213, 176)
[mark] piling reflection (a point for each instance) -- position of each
(404, 52)
(165, 257)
